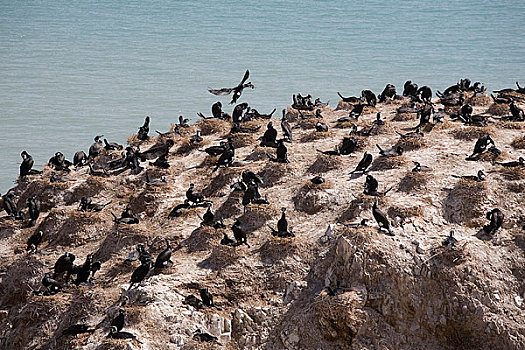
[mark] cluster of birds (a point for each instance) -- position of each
(132, 158)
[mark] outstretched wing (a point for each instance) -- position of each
(246, 75)
(221, 92)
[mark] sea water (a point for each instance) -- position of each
(70, 70)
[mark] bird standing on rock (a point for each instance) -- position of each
(381, 218)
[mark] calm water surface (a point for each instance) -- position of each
(73, 69)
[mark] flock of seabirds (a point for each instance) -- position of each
(418, 101)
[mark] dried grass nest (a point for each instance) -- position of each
(499, 109)
(325, 163)
(470, 133)
(465, 201)
(213, 127)
(518, 142)
(413, 181)
(386, 163)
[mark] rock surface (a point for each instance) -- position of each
(401, 292)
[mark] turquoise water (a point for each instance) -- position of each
(72, 69)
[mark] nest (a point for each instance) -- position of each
(202, 239)
(221, 257)
(231, 207)
(403, 117)
(62, 228)
(413, 182)
(339, 317)
(292, 115)
(386, 128)
(411, 143)
(507, 124)
(517, 173)
(134, 141)
(143, 202)
(242, 140)
(213, 127)
(187, 147)
(465, 201)
(344, 106)
(356, 206)
(448, 256)
(24, 272)
(445, 124)
(256, 215)
(309, 123)
(218, 182)
(480, 100)
(46, 194)
(258, 153)
(311, 198)
(316, 135)
(276, 249)
(452, 110)
(488, 156)
(386, 163)
(272, 173)
(124, 239)
(516, 187)
(470, 133)
(500, 109)
(518, 142)
(208, 161)
(325, 163)
(405, 212)
(90, 188)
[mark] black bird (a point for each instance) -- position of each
(238, 111)
(33, 205)
(516, 112)
(450, 241)
(216, 150)
(269, 137)
(388, 92)
(96, 147)
(130, 220)
(391, 152)
(63, 264)
(286, 128)
(59, 162)
(77, 329)
(52, 286)
(142, 134)
(25, 167)
(513, 164)
(237, 91)
(164, 257)
(34, 241)
(154, 151)
(114, 334)
(226, 158)
(208, 219)
(364, 163)
(207, 297)
(161, 162)
(369, 97)
(370, 185)
(205, 337)
(282, 224)
(410, 89)
(378, 120)
(227, 240)
(481, 146)
(140, 273)
(321, 127)
(480, 176)
(426, 94)
(82, 272)
(382, 219)
(9, 205)
(416, 133)
(346, 147)
(177, 210)
(248, 175)
(183, 122)
(110, 146)
(281, 153)
(239, 233)
(80, 159)
(193, 196)
(118, 321)
(419, 168)
(87, 205)
(496, 221)
(317, 180)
